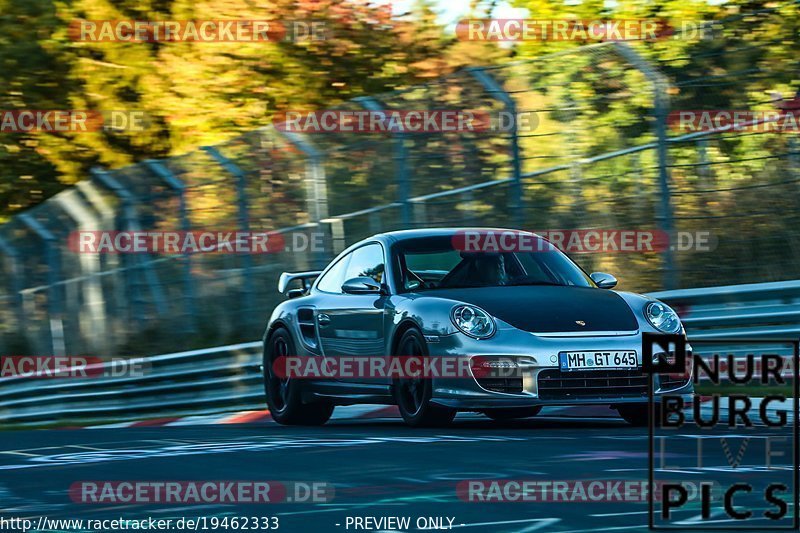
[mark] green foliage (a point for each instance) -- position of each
(741, 191)
(191, 93)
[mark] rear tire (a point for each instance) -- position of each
(284, 395)
(413, 396)
(513, 413)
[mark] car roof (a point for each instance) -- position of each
(402, 235)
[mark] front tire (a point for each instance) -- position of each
(413, 395)
(513, 413)
(284, 395)
(636, 414)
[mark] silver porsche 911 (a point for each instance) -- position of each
(531, 328)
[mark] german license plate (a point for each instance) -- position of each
(597, 360)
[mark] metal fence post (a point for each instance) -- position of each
(54, 303)
(641, 191)
(420, 213)
(92, 311)
(248, 310)
(794, 156)
(15, 282)
(188, 281)
(468, 215)
(402, 170)
(112, 293)
(132, 224)
(661, 111)
(337, 234)
(316, 188)
(403, 184)
(375, 225)
(517, 202)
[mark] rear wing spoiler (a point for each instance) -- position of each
(306, 279)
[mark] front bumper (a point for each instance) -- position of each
(496, 401)
(538, 380)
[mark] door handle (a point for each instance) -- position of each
(323, 319)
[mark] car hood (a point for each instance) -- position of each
(549, 309)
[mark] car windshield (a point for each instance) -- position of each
(430, 263)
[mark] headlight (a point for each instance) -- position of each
(473, 321)
(662, 317)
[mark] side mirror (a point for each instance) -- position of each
(603, 280)
(361, 285)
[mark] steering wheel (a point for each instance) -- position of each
(445, 281)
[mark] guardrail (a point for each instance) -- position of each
(754, 311)
(199, 381)
(228, 378)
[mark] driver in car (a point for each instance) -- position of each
(478, 270)
(489, 270)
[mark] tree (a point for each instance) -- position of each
(193, 93)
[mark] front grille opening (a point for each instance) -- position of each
(512, 385)
(672, 381)
(554, 384)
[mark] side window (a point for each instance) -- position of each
(366, 261)
(333, 280)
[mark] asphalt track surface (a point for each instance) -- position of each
(379, 468)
